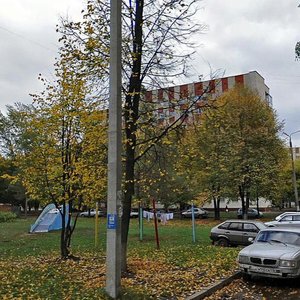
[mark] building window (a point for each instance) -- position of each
(269, 99)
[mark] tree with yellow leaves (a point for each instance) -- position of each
(67, 161)
(159, 177)
(156, 48)
(237, 152)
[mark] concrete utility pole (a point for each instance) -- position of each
(114, 210)
(293, 168)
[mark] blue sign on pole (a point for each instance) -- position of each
(111, 221)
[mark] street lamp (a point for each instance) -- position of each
(293, 167)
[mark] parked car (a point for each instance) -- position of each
(91, 213)
(285, 213)
(252, 213)
(235, 232)
(198, 213)
(275, 252)
(134, 213)
(287, 219)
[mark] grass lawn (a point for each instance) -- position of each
(31, 268)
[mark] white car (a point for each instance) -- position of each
(134, 213)
(251, 213)
(275, 252)
(287, 219)
(285, 213)
(91, 213)
(198, 213)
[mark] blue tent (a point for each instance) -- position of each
(50, 219)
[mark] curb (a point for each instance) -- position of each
(205, 292)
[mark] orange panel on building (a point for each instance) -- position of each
(224, 84)
(239, 79)
(212, 86)
(160, 94)
(172, 119)
(149, 96)
(198, 87)
(183, 106)
(200, 104)
(184, 91)
(171, 93)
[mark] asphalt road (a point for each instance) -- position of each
(259, 289)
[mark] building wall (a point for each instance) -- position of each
(296, 151)
(232, 205)
(172, 101)
(5, 207)
(253, 80)
(256, 82)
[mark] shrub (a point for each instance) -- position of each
(7, 216)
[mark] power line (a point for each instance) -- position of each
(27, 39)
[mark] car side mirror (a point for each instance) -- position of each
(250, 239)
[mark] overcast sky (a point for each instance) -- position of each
(243, 36)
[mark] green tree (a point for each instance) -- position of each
(13, 141)
(240, 154)
(204, 157)
(257, 152)
(8, 190)
(286, 194)
(13, 135)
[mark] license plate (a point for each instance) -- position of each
(263, 270)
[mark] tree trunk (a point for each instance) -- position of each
(244, 206)
(257, 202)
(66, 230)
(64, 249)
(131, 114)
(217, 207)
(129, 191)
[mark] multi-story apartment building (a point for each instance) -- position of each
(171, 101)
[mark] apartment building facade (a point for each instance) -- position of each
(172, 101)
(296, 153)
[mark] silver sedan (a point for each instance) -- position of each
(274, 253)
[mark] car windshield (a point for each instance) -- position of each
(284, 237)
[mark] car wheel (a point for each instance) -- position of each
(222, 242)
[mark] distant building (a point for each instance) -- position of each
(5, 207)
(296, 152)
(234, 205)
(170, 102)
